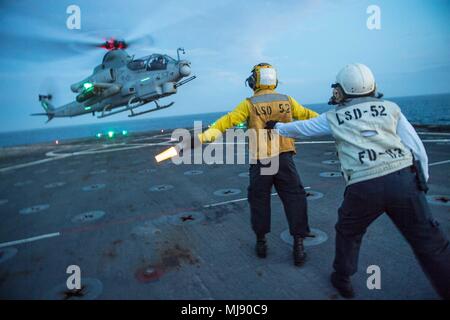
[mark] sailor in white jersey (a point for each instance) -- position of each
(385, 166)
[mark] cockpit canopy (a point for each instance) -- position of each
(151, 63)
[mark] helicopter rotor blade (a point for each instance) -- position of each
(48, 41)
(144, 40)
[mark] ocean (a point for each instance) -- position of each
(424, 110)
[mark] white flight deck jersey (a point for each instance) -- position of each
(366, 139)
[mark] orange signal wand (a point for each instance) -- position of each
(166, 154)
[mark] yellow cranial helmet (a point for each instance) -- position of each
(263, 76)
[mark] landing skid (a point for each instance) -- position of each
(131, 107)
(158, 107)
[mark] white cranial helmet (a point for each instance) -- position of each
(356, 79)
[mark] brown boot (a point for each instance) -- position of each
(299, 251)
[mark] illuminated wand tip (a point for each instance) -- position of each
(166, 154)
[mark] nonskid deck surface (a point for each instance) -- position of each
(141, 230)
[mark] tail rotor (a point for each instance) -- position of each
(46, 104)
(46, 100)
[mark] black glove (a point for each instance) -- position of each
(270, 124)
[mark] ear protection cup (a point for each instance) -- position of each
(251, 81)
(338, 96)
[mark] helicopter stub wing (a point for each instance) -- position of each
(99, 90)
(103, 85)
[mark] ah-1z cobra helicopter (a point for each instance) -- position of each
(123, 82)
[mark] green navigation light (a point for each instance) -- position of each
(87, 85)
(110, 134)
(124, 132)
(87, 108)
(99, 135)
(241, 125)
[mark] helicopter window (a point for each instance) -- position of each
(157, 63)
(136, 64)
(170, 59)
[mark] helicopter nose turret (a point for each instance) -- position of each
(185, 70)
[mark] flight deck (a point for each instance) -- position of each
(145, 230)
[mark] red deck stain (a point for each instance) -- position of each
(149, 273)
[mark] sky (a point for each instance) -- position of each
(308, 42)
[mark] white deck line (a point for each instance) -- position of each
(32, 239)
(57, 156)
(434, 133)
(236, 200)
(438, 163)
(57, 234)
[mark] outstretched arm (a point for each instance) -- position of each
(308, 128)
(299, 112)
(233, 118)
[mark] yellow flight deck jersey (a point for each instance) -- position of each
(263, 106)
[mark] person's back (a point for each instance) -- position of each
(265, 105)
(366, 136)
(376, 144)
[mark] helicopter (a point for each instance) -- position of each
(122, 83)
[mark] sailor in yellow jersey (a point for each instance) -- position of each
(265, 105)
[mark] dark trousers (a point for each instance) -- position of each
(289, 188)
(396, 194)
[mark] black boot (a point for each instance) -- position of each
(261, 246)
(299, 251)
(343, 285)
(309, 234)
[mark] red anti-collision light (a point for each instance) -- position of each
(113, 44)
